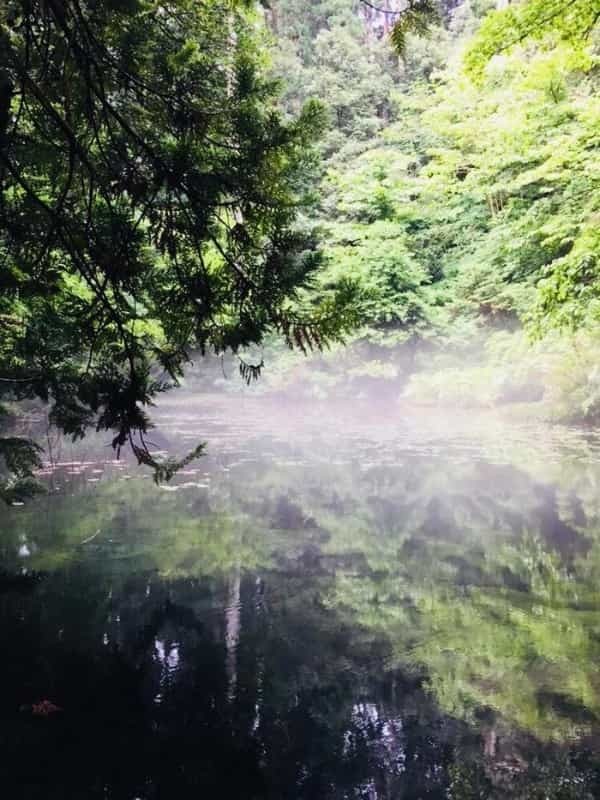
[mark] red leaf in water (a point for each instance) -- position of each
(44, 708)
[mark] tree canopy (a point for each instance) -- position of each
(148, 199)
(462, 196)
(164, 168)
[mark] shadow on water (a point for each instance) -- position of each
(310, 612)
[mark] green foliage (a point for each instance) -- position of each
(570, 20)
(350, 71)
(415, 19)
(570, 295)
(18, 460)
(149, 194)
(159, 198)
(474, 207)
(377, 257)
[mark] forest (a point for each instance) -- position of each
(458, 188)
(300, 399)
(406, 195)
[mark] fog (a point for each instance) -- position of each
(412, 587)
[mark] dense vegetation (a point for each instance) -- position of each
(460, 187)
(148, 195)
(189, 178)
(413, 184)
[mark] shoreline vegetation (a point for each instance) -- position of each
(336, 201)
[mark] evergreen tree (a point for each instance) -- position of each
(148, 195)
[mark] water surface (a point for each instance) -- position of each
(346, 604)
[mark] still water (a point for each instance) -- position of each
(325, 606)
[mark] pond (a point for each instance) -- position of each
(330, 603)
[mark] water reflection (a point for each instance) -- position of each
(377, 614)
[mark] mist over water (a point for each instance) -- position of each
(336, 601)
(356, 553)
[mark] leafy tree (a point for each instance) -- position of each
(503, 29)
(148, 195)
(483, 192)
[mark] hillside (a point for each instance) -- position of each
(461, 195)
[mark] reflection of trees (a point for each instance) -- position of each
(337, 631)
(144, 682)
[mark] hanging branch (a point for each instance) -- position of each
(380, 10)
(250, 372)
(415, 17)
(147, 206)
